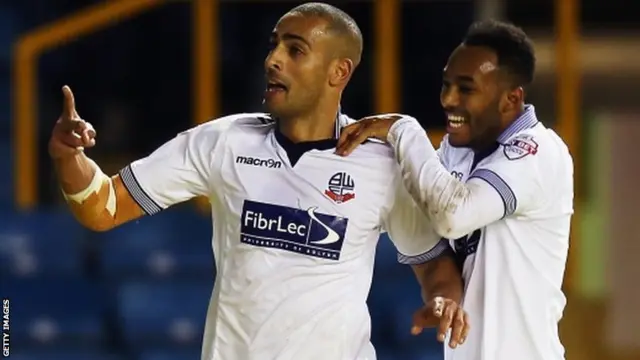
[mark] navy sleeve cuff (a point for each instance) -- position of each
(504, 190)
(441, 247)
(132, 185)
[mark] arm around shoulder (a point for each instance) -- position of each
(456, 208)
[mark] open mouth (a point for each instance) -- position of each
(455, 121)
(275, 86)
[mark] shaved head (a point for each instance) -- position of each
(314, 50)
(339, 24)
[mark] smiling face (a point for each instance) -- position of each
(471, 96)
(298, 65)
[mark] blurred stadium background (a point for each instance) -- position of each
(143, 70)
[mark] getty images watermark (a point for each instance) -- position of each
(6, 340)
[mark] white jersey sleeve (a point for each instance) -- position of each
(410, 230)
(177, 171)
(442, 153)
(500, 189)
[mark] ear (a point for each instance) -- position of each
(340, 72)
(512, 99)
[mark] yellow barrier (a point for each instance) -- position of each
(568, 107)
(387, 55)
(206, 69)
(205, 62)
(26, 53)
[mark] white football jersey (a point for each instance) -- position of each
(507, 213)
(295, 229)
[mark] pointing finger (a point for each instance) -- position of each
(69, 104)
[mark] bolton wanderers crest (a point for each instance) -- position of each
(341, 188)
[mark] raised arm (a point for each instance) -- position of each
(175, 172)
(98, 201)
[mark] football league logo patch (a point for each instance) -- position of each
(520, 147)
(341, 188)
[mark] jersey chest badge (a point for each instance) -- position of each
(341, 188)
(520, 146)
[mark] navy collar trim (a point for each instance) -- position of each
(525, 121)
(326, 144)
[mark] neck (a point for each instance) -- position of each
(515, 115)
(319, 125)
(485, 147)
(490, 141)
(510, 118)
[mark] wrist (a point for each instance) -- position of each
(399, 126)
(70, 159)
(75, 173)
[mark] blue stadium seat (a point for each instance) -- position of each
(49, 313)
(379, 304)
(386, 259)
(392, 303)
(398, 353)
(163, 313)
(388, 352)
(40, 244)
(167, 244)
(65, 355)
(157, 354)
(406, 300)
(388, 273)
(427, 354)
(6, 170)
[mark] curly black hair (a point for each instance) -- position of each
(511, 44)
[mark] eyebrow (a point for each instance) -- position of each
(464, 78)
(290, 36)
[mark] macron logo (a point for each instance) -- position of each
(248, 160)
